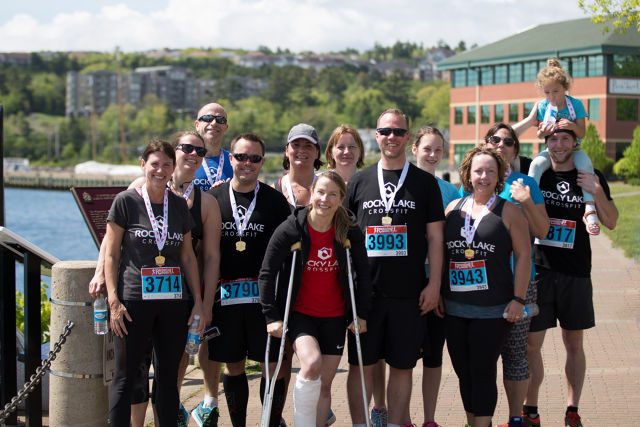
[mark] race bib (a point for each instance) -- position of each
(467, 276)
(386, 240)
(562, 234)
(239, 291)
(161, 283)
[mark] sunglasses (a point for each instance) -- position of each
(509, 142)
(188, 148)
(389, 131)
(210, 117)
(242, 157)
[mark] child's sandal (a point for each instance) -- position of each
(592, 227)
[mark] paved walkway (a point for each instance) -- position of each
(611, 394)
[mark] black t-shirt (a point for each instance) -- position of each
(567, 248)
(138, 242)
(270, 211)
(417, 203)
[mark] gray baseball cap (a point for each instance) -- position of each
(304, 131)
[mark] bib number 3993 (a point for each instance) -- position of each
(386, 240)
(161, 283)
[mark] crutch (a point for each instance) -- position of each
(270, 385)
(356, 329)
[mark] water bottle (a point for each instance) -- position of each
(193, 339)
(100, 326)
(529, 310)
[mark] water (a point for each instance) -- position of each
(50, 220)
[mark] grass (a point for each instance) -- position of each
(626, 235)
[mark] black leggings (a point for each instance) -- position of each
(166, 323)
(474, 346)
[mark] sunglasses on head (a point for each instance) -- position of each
(210, 117)
(509, 142)
(188, 148)
(242, 157)
(389, 131)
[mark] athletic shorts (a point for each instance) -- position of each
(395, 332)
(433, 341)
(243, 333)
(563, 298)
(515, 366)
(328, 331)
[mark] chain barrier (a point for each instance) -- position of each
(35, 379)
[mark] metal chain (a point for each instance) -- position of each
(35, 379)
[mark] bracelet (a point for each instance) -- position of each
(520, 300)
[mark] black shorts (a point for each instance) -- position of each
(395, 331)
(433, 341)
(568, 299)
(243, 333)
(329, 331)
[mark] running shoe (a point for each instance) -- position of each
(431, 424)
(379, 417)
(183, 416)
(530, 422)
(572, 419)
(205, 417)
(331, 418)
(514, 422)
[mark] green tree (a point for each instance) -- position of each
(622, 14)
(593, 146)
(629, 165)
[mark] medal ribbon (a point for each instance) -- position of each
(388, 203)
(207, 172)
(470, 231)
(159, 237)
(234, 208)
(187, 192)
(287, 183)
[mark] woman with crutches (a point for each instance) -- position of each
(320, 297)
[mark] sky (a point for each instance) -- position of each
(317, 25)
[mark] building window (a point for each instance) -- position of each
(486, 75)
(594, 109)
(526, 150)
(473, 77)
(626, 65)
(530, 71)
(471, 115)
(500, 74)
(513, 113)
(595, 64)
(579, 66)
(485, 113)
(458, 115)
(627, 109)
(459, 150)
(527, 108)
(499, 113)
(459, 78)
(515, 73)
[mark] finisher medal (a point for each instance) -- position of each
(240, 246)
(159, 260)
(469, 253)
(386, 220)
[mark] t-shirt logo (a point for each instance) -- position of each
(389, 188)
(563, 187)
(325, 253)
(160, 221)
(242, 211)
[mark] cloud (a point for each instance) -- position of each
(319, 25)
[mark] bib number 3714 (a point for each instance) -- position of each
(161, 283)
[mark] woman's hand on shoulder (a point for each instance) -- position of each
(520, 192)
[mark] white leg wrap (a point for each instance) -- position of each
(305, 402)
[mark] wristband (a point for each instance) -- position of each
(520, 300)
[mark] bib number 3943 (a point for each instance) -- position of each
(468, 276)
(386, 240)
(562, 234)
(161, 283)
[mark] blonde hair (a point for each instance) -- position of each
(333, 140)
(553, 72)
(341, 220)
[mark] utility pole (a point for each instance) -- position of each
(123, 142)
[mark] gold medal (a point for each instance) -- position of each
(386, 220)
(240, 246)
(160, 260)
(469, 253)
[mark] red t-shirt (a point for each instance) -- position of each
(321, 293)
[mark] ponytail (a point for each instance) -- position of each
(341, 224)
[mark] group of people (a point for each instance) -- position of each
(391, 252)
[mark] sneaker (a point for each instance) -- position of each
(331, 418)
(530, 422)
(513, 422)
(183, 416)
(431, 424)
(379, 417)
(572, 419)
(205, 417)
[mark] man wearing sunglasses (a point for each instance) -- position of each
(250, 211)
(399, 208)
(211, 124)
